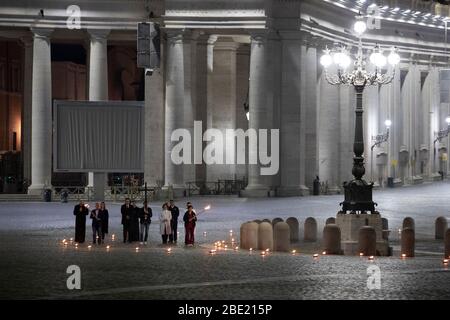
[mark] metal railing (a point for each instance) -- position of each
(113, 193)
(220, 187)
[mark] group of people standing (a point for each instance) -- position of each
(100, 222)
(135, 222)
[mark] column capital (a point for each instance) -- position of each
(43, 33)
(99, 34)
(259, 36)
(27, 41)
(174, 35)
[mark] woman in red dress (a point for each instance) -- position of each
(190, 218)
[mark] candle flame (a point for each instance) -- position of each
(316, 255)
(207, 207)
(324, 252)
(107, 247)
(294, 251)
(371, 258)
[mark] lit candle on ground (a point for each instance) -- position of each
(64, 240)
(107, 247)
(204, 233)
(294, 251)
(251, 249)
(324, 252)
(76, 245)
(263, 253)
(267, 250)
(226, 246)
(361, 254)
(89, 246)
(399, 231)
(403, 255)
(137, 248)
(445, 261)
(316, 255)
(232, 239)
(231, 231)
(223, 241)
(71, 239)
(212, 251)
(236, 248)
(113, 237)
(169, 250)
(371, 258)
(207, 208)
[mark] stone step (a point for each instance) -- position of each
(20, 197)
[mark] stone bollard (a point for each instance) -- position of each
(249, 238)
(266, 220)
(276, 220)
(243, 234)
(330, 220)
(385, 228)
(408, 242)
(332, 239)
(408, 222)
(265, 236)
(310, 229)
(447, 244)
(257, 221)
(293, 227)
(440, 228)
(281, 237)
(367, 241)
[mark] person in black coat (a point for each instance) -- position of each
(80, 212)
(174, 222)
(134, 222)
(145, 220)
(104, 217)
(126, 211)
(96, 225)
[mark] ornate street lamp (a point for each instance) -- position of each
(358, 193)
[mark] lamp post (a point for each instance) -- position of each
(441, 134)
(358, 193)
(378, 140)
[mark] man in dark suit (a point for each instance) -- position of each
(174, 222)
(126, 210)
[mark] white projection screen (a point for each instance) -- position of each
(99, 136)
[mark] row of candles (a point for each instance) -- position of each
(223, 245)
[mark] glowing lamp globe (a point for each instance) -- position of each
(326, 60)
(360, 27)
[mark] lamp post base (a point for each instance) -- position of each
(358, 197)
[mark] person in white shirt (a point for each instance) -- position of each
(164, 219)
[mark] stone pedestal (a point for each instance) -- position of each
(350, 225)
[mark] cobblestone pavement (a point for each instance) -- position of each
(33, 261)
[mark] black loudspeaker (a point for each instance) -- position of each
(148, 45)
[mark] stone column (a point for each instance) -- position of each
(173, 173)
(27, 100)
(201, 106)
(309, 76)
(189, 69)
(98, 91)
(154, 125)
(328, 134)
(41, 114)
(242, 70)
(223, 106)
(292, 122)
(257, 99)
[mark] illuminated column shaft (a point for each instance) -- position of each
(41, 113)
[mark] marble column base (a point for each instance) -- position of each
(36, 189)
(255, 192)
(99, 186)
(350, 225)
(173, 192)
(294, 191)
